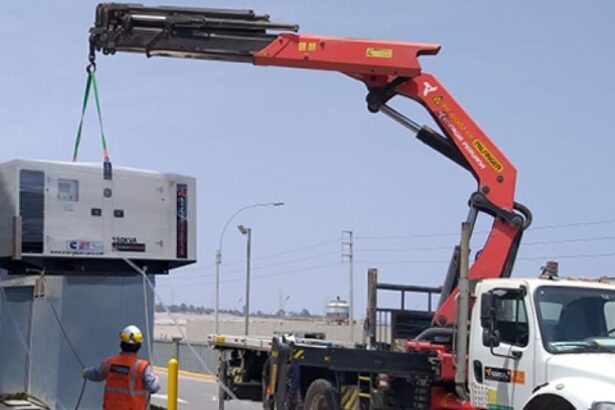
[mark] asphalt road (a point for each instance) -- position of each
(198, 393)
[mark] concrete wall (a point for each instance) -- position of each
(198, 328)
(93, 310)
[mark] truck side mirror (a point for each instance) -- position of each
(491, 337)
(487, 310)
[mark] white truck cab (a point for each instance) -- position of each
(542, 344)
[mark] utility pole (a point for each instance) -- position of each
(348, 255)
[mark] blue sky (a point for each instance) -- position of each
(538, 77)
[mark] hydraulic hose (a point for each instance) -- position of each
(525, 211)
(85, 381)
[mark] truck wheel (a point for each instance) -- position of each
(549, 402)
(321, 395)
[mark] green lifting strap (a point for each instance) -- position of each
(91, 83)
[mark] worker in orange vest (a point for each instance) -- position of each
(128, 380)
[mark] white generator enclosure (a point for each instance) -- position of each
(73, 218)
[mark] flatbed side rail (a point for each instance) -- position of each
(398, 323)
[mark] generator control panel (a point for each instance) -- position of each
(66, 218)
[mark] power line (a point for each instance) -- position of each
(288, 251)
(586, 223)
(445, 234)
(207, 275)
(404, 262)
(577, 256)
(290, 272)
(570, 240)
(288, 262)
(528, 258)
(418, 235)
(264, 266)
(405, 249)
(255, 277)
(443, 247)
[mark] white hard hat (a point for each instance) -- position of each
(131, 335)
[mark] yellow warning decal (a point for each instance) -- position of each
(349, 397)
(492, 396)
(220, 339)
(491, 159)
(306, 46)
(379, 52)
(437, 100)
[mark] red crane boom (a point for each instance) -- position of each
(387, 68)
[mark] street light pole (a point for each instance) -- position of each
(248, 233)
(219, 258)
(217, 296)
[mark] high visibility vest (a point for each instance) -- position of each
(124, 388)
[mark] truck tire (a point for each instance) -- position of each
(321, 395)
(549, 402)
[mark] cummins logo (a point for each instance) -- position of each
(84, 246)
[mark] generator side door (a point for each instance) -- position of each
(139, 217)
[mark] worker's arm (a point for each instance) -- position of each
(96, 373)
(150, 380)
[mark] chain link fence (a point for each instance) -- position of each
(163, 350)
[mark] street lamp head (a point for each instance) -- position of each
(242, 229)
(278, 203)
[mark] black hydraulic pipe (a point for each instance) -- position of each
(443, 145)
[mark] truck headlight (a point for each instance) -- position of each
(603, 405)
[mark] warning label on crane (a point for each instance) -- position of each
(379, 52)
(491, 159)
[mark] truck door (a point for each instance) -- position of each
(502, 376)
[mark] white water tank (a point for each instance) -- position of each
(337, 311)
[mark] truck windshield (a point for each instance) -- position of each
(576, 319)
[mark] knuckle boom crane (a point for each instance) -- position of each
(387, 68)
